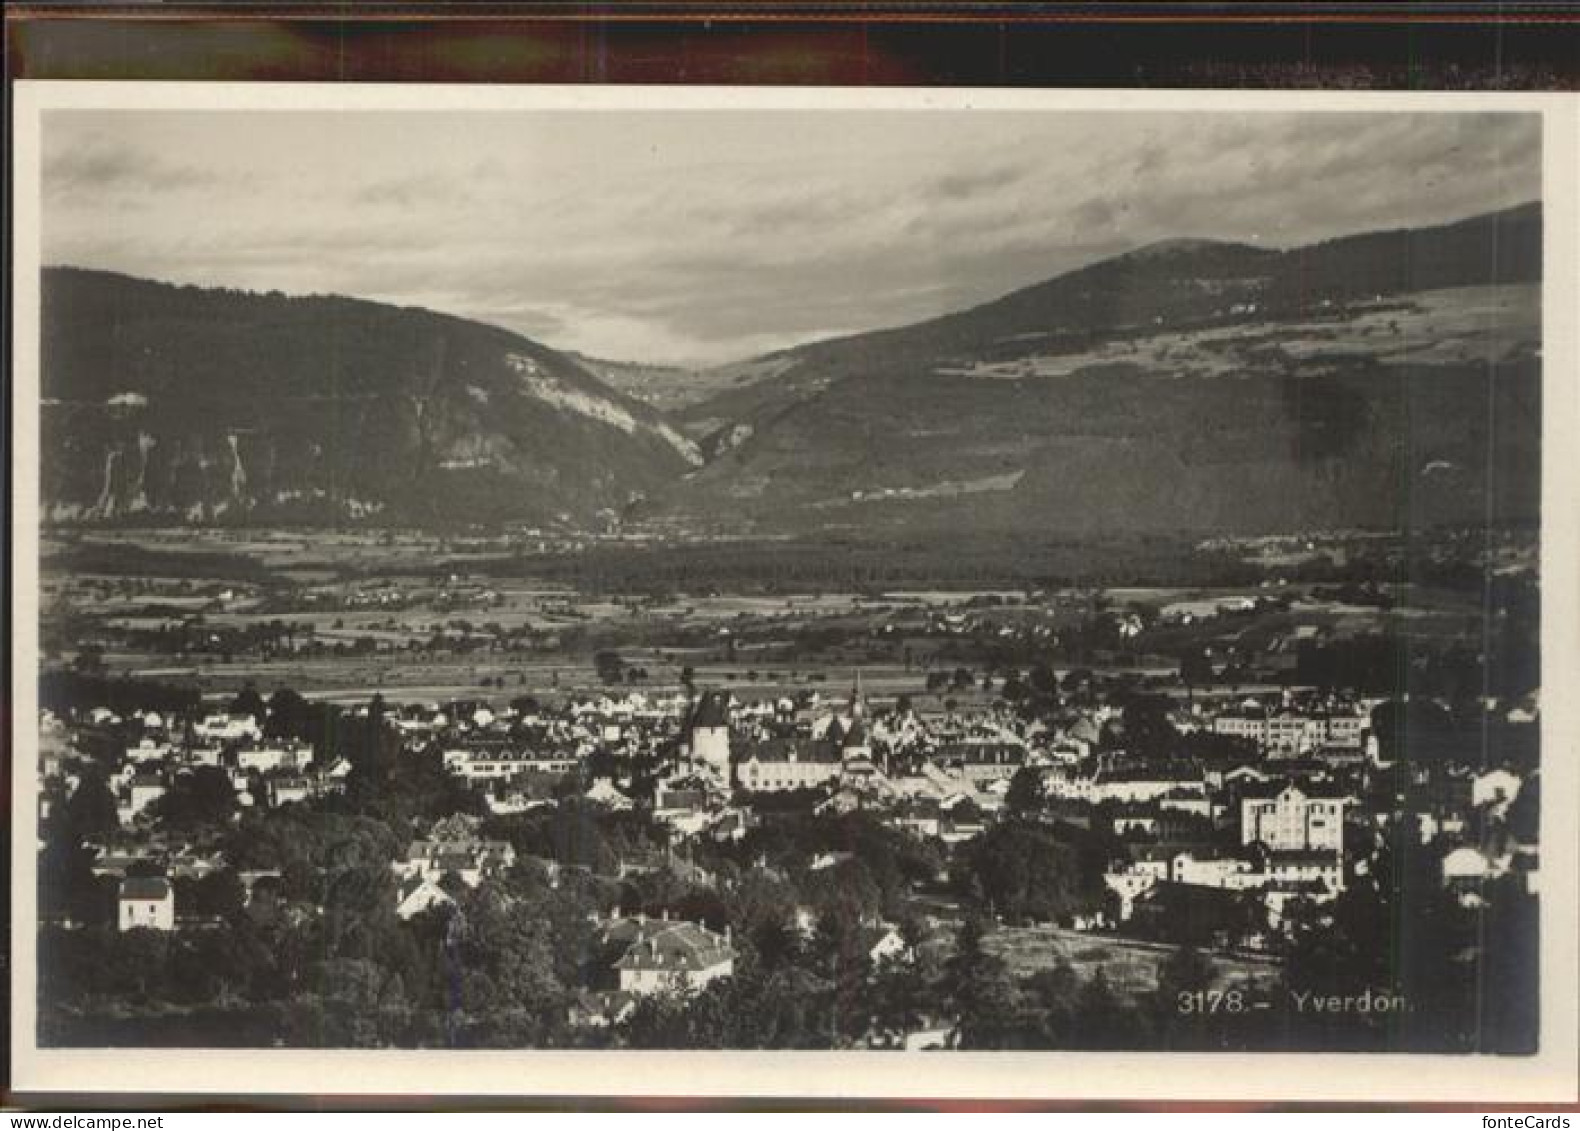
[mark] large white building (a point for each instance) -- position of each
(500, 762)
(264, 758)
(1292, 733)
(1292, 821)
(662, 955)
(776, 766)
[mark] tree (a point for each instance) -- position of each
(1078, 680)
(1025, 795)
(1196, 668)
(1025, 871)
(249, 702)
(1148, 730)
(985, 1000)
(289, 715)
(1043, 684)
(1050, 997)
(507, 959)
(91, 811)
(220, 893)
(900, 1000)
(1096, 1022)
(609, 666)
(1179, 1016)
(1183, 971)
(838, 950)
(201, 797)
(89, 660)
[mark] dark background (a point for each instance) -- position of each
(1399, 46)
(1441, 46)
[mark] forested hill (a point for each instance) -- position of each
(1383, 380)
(166, 402)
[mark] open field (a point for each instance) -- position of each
(1465, 325)
(342, 615)
(1130, 965)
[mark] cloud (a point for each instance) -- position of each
(704, 237)
(109, 171)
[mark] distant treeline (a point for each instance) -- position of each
(845, 561)
(123, 559)
(64, 691)
(839, 563)
(977, 561)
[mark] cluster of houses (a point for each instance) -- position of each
(1285, 815)
(1284, 804)
(155, 751)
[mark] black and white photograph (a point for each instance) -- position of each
(949, 575)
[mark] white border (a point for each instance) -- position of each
(1551, 1076)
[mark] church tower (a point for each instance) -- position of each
(853, 744)
(708, 734)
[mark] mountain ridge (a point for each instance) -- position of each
(204, 404)
(1317, 376)
(1190, 383)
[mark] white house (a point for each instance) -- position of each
(603, 792)
(147, 901)
(1126, 886)
(227, 728)
(265, 758)
(1495, 788)
(1467, 864)
(141, 792)
(662, 955)
(148, 750)
(1213, 871)
(286, 790)
(419, 894)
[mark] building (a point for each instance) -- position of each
(1495, 788)
(147, 750)
(1293, 733)
(983, 759)
(1309, 871)
(1143, 783)
(227, 728)
(470, 860)
(664, 955)
(1213, 871)
(884, 943)
(786, 764)
(140, 792)
(417, 894)
(289, 790)
(707, 738)
(1293, 821)
(266, 759)
(498, 761)
(147, 902)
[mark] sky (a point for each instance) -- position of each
(705, 236)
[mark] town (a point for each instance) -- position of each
(948, 852)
